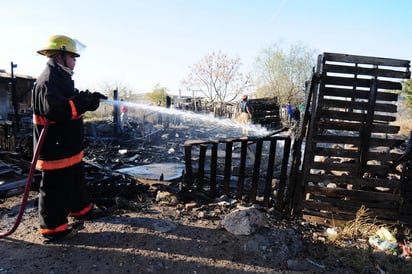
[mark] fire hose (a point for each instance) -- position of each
(29, 180)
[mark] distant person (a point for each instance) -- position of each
(302, 110)
(166, 117)
(296, 115)
(284, 112)
(124, 118)
(289, 109)
(177, 120)
(245, 113)
(159, 114)
(172, 116)
(301, 107)
(63, 189)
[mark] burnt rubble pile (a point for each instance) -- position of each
(106, 153)
(105, 187)
(111, 162)
(13, 173)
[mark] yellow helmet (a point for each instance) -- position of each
(58, 43)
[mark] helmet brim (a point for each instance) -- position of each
(48, 52)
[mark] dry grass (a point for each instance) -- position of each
(362, 226)
(360, 257)
(405, 127)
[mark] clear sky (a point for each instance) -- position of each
(141, 43)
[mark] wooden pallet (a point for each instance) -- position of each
(265, 111)
(350, 139)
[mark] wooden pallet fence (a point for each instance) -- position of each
(256, 162)
(350, 140)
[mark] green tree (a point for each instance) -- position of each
(282, 73)
(407, 91)
(217, 77)
(158, 94)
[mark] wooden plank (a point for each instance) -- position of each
(405, 219)
(366, 132)
(241, 179)
(283, 175)
(333, 152)
(353, 153)
(201, 171)
(406, 195)
(378, 72)
(360, 94)
(354, 181)
(189, 177)
(347, 207)
(328, 207)
(383, 156)
(377, 196)
(360, 82)
(213, 169)
(256, 172)
(405, 189)
(378, 170)
(343, 212)
(386, 142)
(347, 58)
(355, 126)
(328, 221)
(228, 167)
(328, 167)
(351, 116)
(359, 105)
(335, 139)
(353, 168)
(269, 176)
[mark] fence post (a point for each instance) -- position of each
(228, 166)
(269, 175)
(256, 171)
(240, 183)
(213, 169)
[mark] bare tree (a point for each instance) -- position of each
(124, 92)
(217, 77)
(283, 74)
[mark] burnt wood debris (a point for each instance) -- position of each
(345, 153)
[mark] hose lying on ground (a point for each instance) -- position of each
(29, 180)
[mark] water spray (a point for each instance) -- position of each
(257, 130)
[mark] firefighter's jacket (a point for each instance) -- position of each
(54, 99)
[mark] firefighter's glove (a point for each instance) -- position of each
(99, 96)
(85, 101)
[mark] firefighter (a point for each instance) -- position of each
(63, 191)
(245, 114)
(124, 118)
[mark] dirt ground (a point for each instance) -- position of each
(159, 239)
(152, 236)
(180, 239)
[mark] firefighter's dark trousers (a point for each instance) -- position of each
(62, 191)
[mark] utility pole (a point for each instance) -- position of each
(14, 97)
(116, 113)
